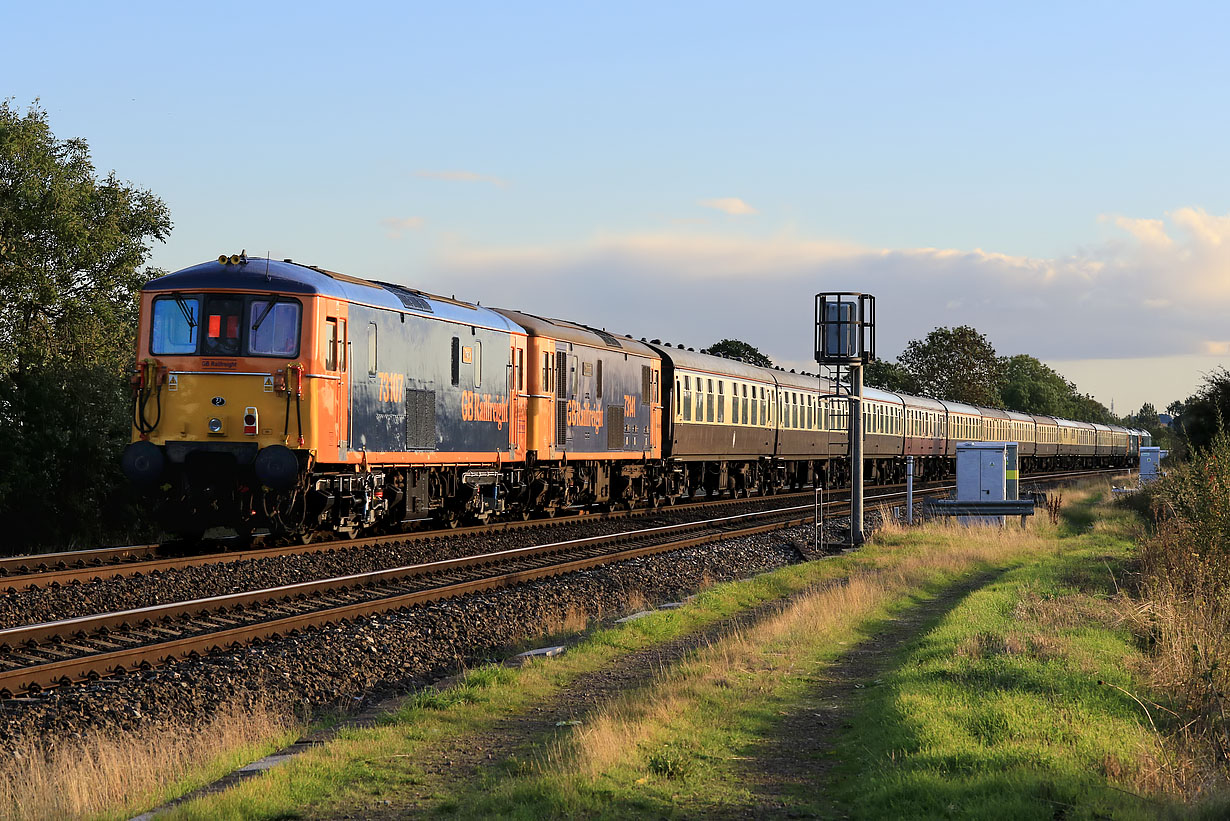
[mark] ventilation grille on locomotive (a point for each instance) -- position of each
(420, 420)
(409, 299)
(561, 422)
(615, 427)
(608, 339)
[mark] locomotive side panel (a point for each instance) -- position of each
(424, 390)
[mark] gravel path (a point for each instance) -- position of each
(795, 760)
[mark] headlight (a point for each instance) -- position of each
(215, 425)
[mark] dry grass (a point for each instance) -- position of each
(100, 774)
(572, 619)
(1183, 610)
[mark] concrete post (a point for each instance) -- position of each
(909, 490)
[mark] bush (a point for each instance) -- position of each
(1184, 578)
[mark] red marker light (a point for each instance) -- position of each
(249, 421)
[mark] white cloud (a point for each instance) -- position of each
(729, 205)
(1147, 231)
(1135, 295)
(399, 225)
(461, 176)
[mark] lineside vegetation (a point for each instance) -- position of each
(1018, 690)
(1184, 613)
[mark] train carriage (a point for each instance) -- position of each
(1021, 429)
(719, 432)
(964, 424)
(926, 422)
(812, 428)
(1046, 447)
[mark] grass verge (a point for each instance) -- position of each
(1025, 701)
(680, 746)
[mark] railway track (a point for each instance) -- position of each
(36, 657)
(64, 568)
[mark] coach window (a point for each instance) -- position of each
(330, 344)
(175, 325)
(371, 349)
(721, 401)
(687, 399)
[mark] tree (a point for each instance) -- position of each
(71, 249)
(1146, 417)
(1031, 386)
(1207, 413)
(736, 349)
(955, 363)
(889, 376)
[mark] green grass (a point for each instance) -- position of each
(1006, 707)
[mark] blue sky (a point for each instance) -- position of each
(1054, 174)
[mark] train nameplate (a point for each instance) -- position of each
(219, 364)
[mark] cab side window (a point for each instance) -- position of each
(331, 344)
(371, 349)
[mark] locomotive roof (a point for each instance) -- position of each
(281, 276)
(575, 332)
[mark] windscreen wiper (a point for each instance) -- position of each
(257, 324)
(185, 310)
